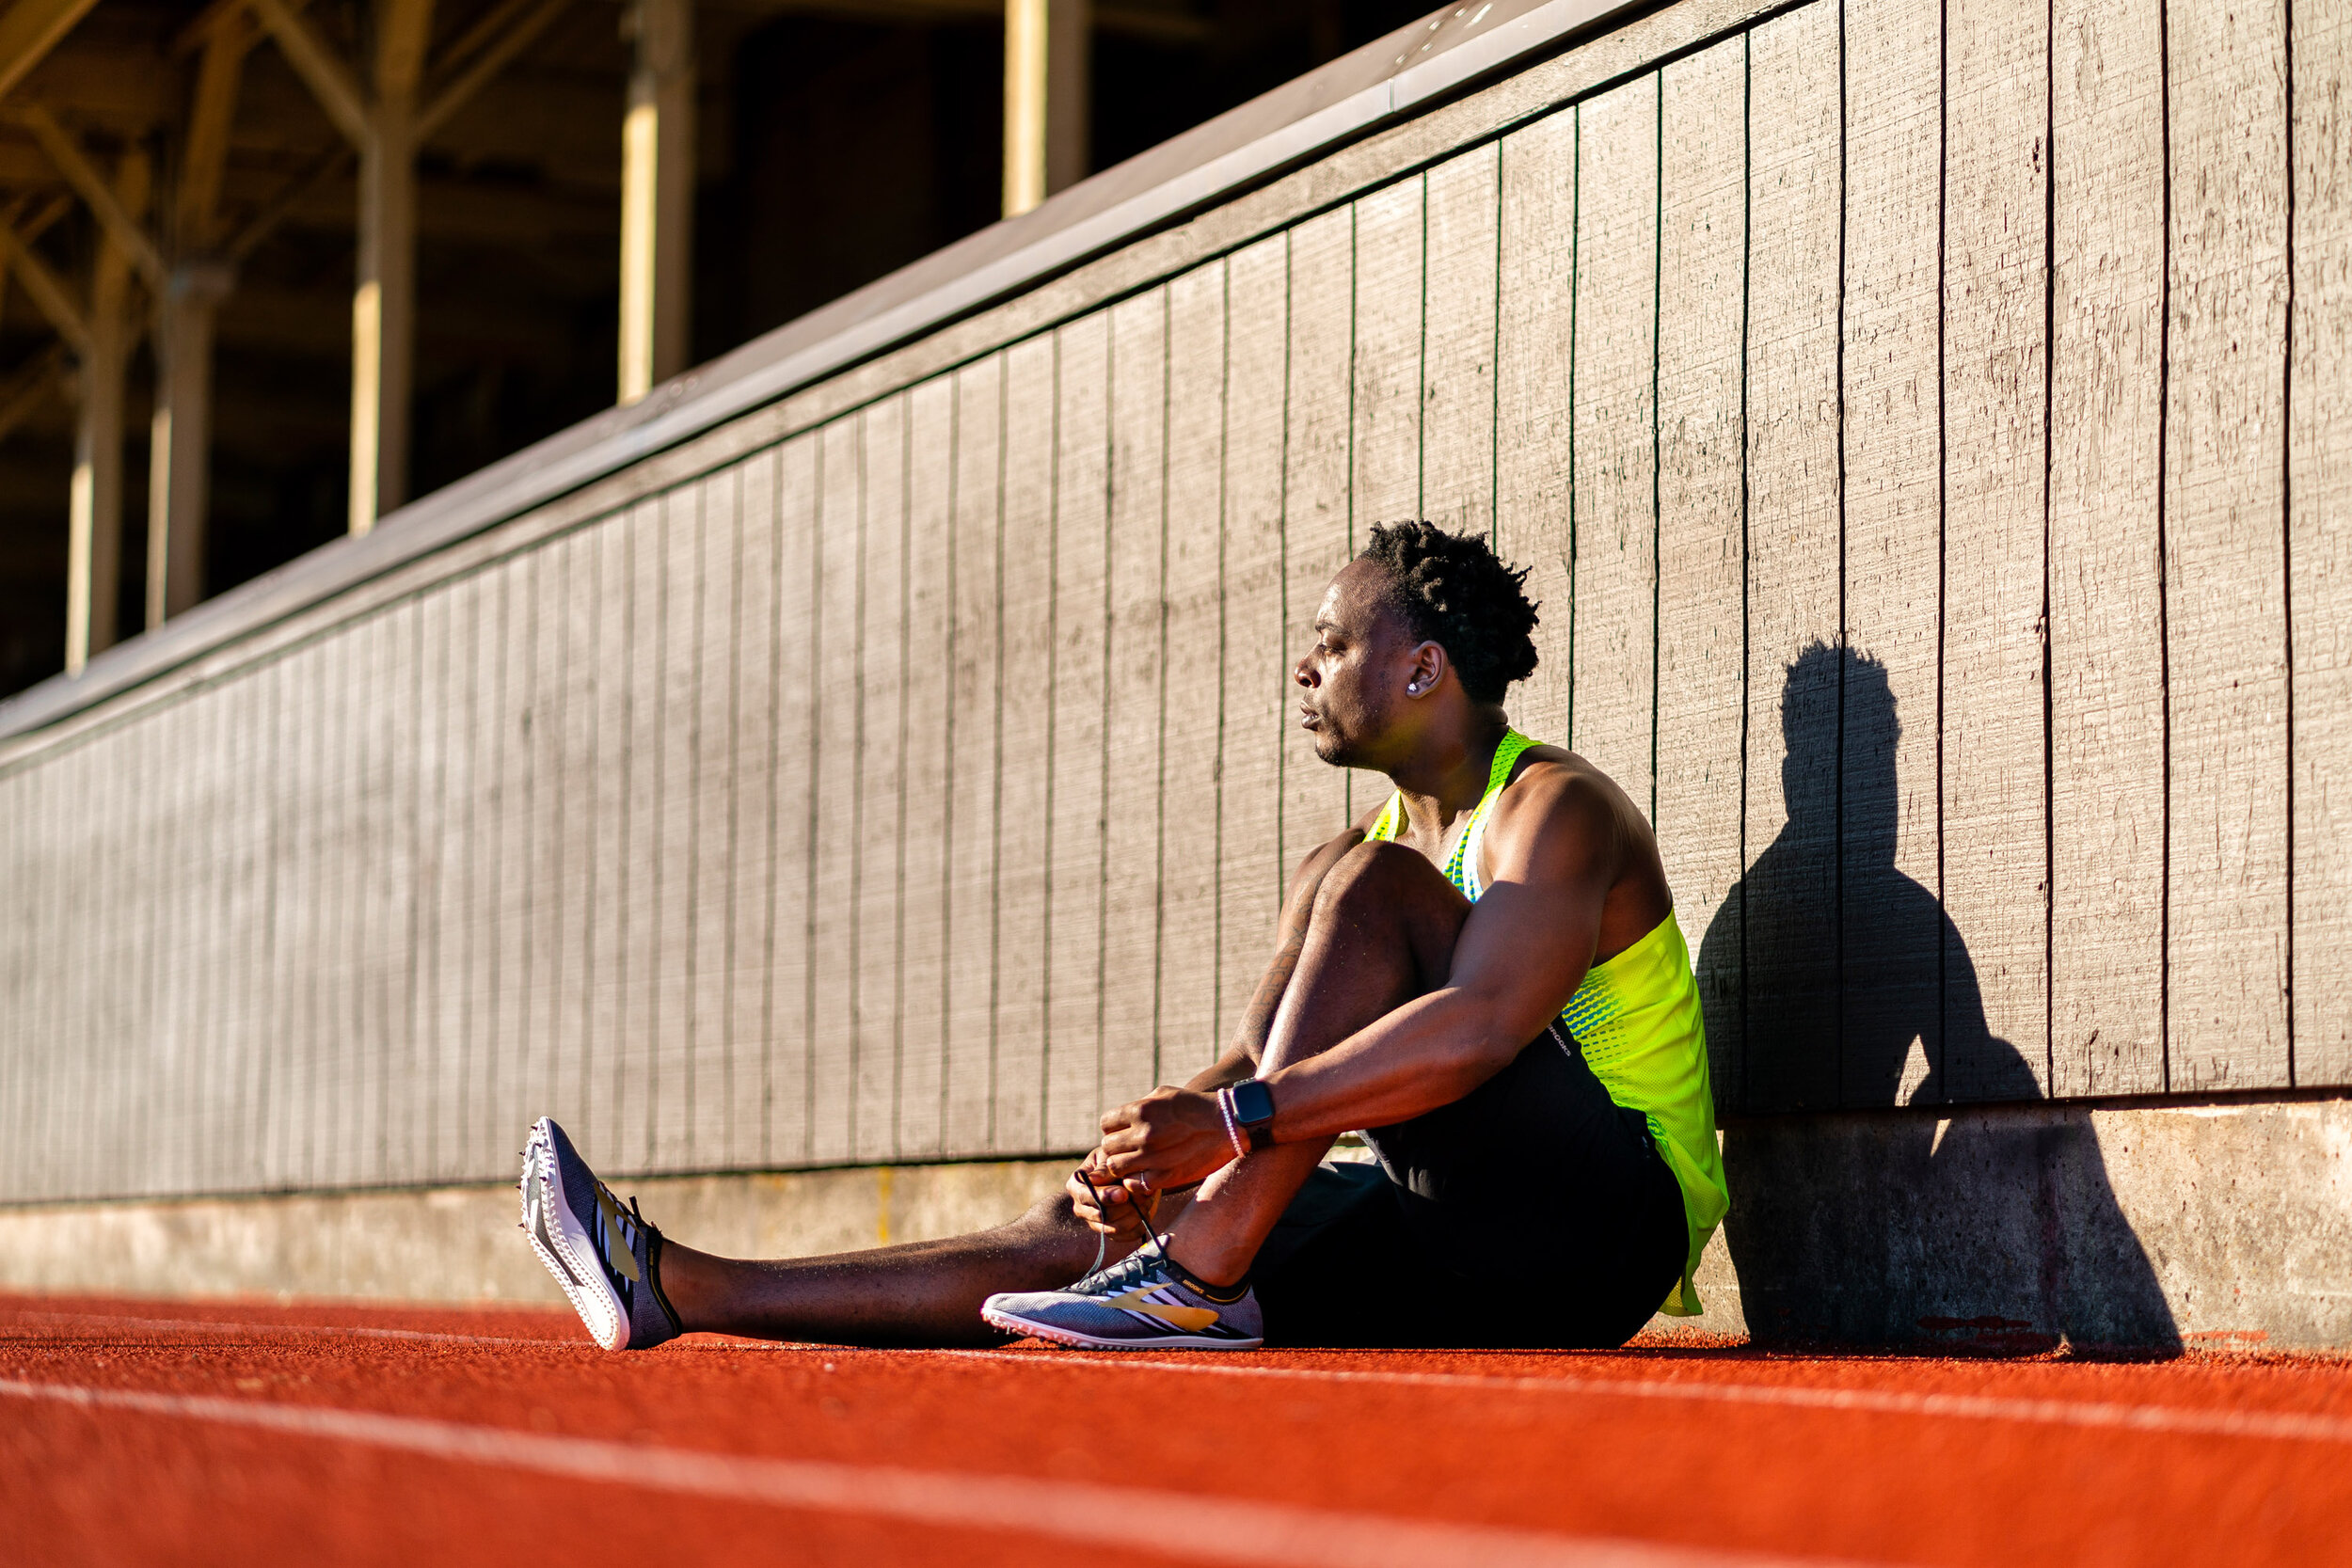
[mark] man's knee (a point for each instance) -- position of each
(1377, 876)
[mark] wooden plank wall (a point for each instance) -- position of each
(1930, 431)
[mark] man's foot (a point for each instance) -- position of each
(606, 1257)
(1145, 1303)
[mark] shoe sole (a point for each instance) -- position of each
(1076, 1340)
(554, 1244)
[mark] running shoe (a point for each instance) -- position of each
(606, 1257)
(1143, 1303)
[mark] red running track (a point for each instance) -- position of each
(244, 1434)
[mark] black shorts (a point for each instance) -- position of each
(1533, 1212)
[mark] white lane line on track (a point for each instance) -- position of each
(178, 1323)
(2279, 1425)
(1212, 1529)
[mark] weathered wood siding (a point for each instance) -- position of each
(1930, 432)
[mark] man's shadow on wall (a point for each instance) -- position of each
(1996, 1228)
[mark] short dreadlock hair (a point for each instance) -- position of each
(1453, 590)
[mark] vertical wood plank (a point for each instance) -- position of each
(569, 913)
(791, 1132)
(1257, 684)
(2225, 574)
(1996, 860)
(930, 766)
(1192, 812)
(1701, 550)
(1390, 237)
(637, 964)
(1134, 694)
(684, 600)
(711, 908)
(839, 808)
(1079, 830)
(1615, 448)
(1790, 889)
(977, 442)
(1457, 394)
(512, 787)
(2319, 543)
(1891, 921)
(401, 883)
(758, 797)
(882, 782)
(2106, 661)
(1316, 542)
(1536, 369)
(557, 691)
(1027, 776)
(440, 868)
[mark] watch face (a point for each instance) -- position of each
(1253, 1102)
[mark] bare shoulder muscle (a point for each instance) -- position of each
(1560, 817)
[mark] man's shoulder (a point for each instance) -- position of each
(1554, 789)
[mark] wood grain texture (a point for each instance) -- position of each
(604, 885)
(927, 770)
(2107, 658)
(1614, 570)
(710, 861)
(1537, 373)
(1457, 393)
(760, 795)
(1134, 693)
(679, 790)
(2225, 574)
(972, 742)
(1702, 556)
(1024, 817)
(1790, 888)
(1891, 922)
(1257, 682)
(1390, 236)
(2319, 543)
(1074, 673)
(793, 976)
(1193, 802)
(637, 894)
(882, 782)
(1316, 542)
(1995, 861)
(838, 804)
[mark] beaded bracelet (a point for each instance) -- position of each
(1232, 1127)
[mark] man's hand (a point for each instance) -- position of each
(1110, 1207)
(1170, 1138)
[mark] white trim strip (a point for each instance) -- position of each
(1212, 1529)
(2284, 1426)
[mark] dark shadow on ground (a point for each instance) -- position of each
(1937, 1198)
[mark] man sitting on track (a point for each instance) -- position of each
(1485, 974)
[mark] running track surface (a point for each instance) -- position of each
(251, 1434)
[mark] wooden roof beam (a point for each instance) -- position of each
(30, 29)
(126, 231)
(330, 81)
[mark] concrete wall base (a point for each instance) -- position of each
(2010, 1227)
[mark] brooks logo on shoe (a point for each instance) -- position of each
(1191, 1319)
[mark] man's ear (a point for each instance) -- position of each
(1426, 669)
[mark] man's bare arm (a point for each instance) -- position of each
(1522, 951)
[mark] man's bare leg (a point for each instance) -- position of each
(1381, 933)
(918, 1293)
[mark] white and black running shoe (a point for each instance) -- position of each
(1143, 1303)
(606, 1257)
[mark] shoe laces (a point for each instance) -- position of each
(1102, 1243)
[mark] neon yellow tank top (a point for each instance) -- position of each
(1637, 1019)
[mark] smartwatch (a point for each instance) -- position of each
(1253, 1110)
